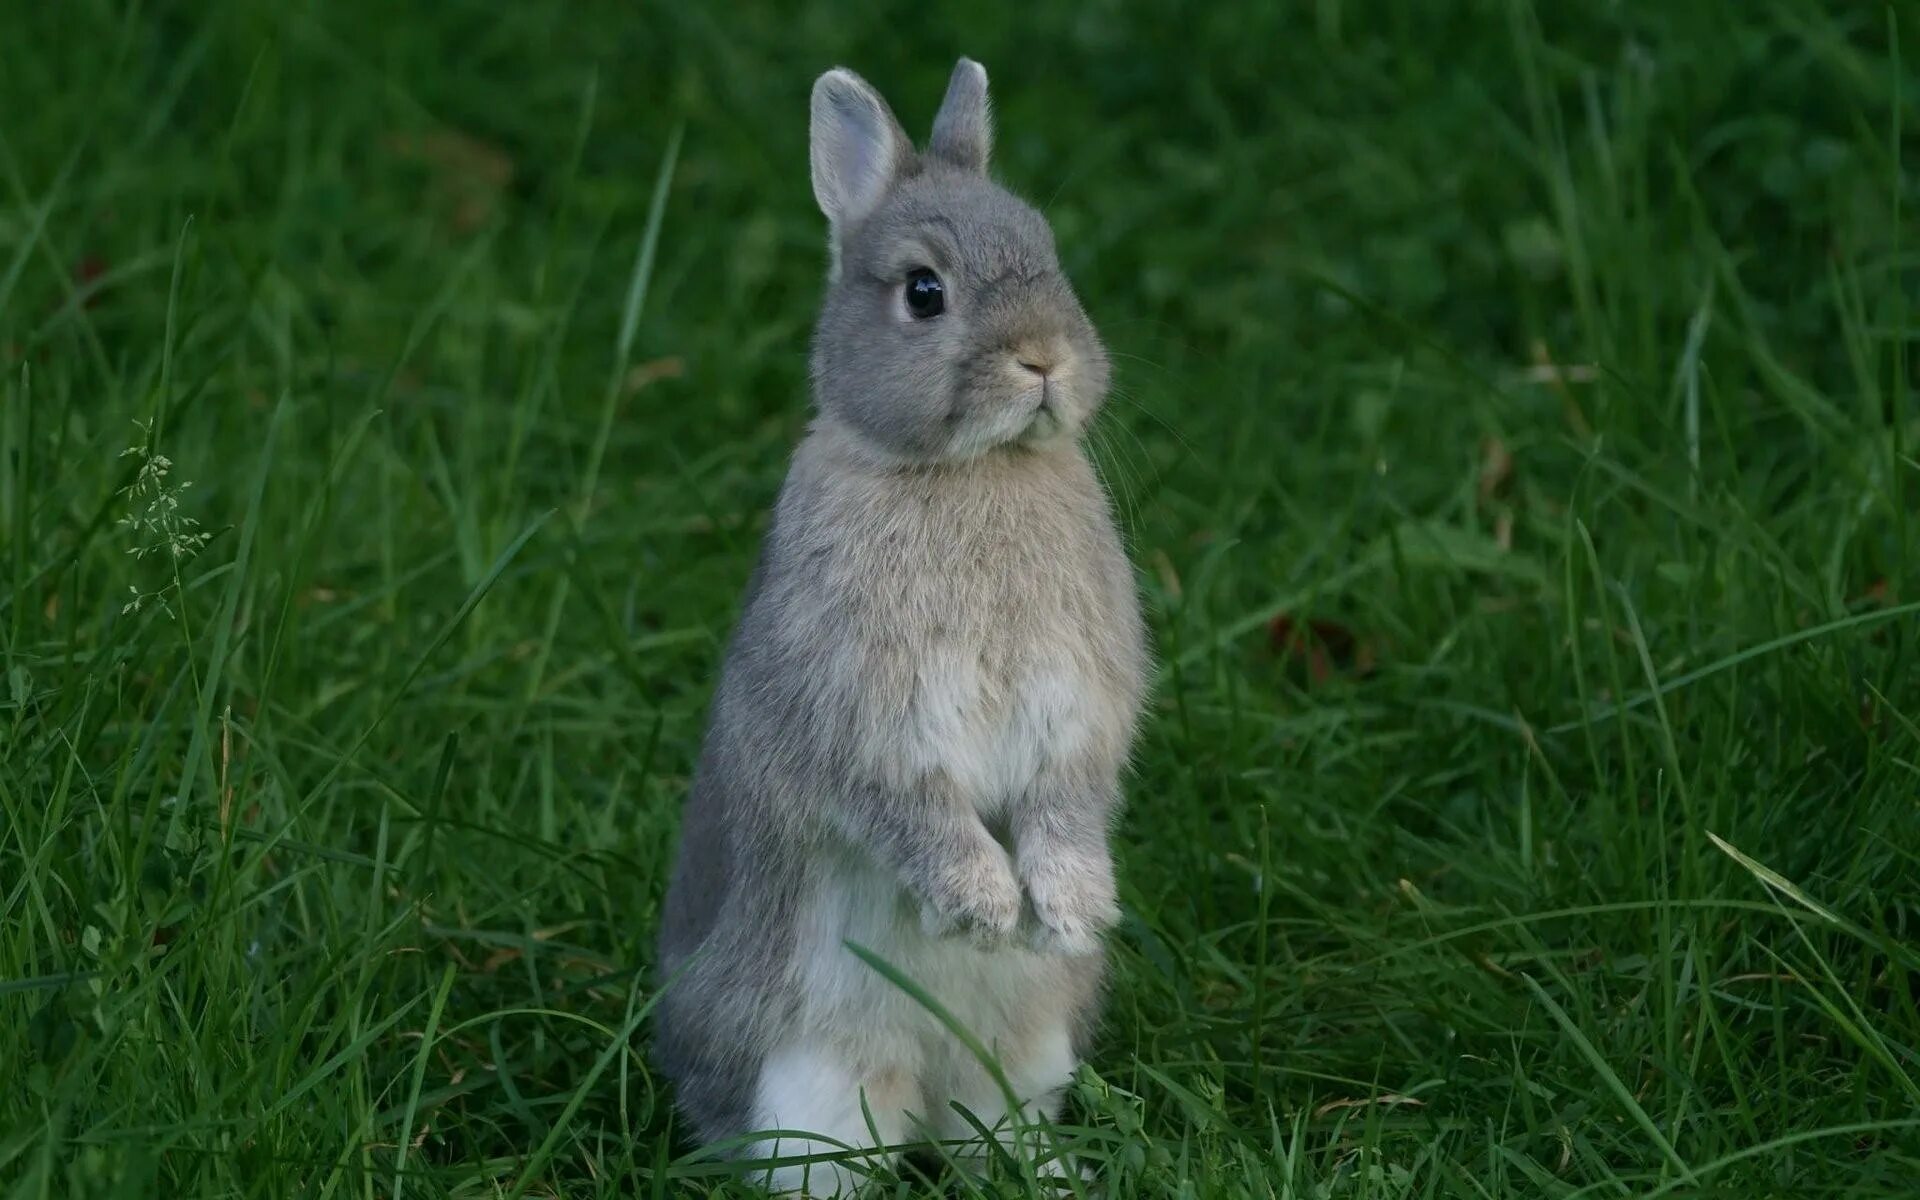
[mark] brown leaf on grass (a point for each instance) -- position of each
(469, 175)
(1485, 962)
(651, 372)
(499, 958)
(1386, 1100)
(1554, 373)
(1322, 648)
(1558, 377)
(1496, 467)
(86, 279)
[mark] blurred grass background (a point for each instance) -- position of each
(1515, 434)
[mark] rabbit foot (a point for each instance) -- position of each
(1073, 902)
(976, 897)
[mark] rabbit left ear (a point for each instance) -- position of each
(963, 130)
(858, 149)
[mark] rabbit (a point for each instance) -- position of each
(926, 707)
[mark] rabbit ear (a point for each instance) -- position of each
(858, 148)
(963, 132)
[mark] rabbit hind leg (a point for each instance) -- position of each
(810, 1089)
(1037, 1071)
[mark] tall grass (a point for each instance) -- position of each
(1515, 433)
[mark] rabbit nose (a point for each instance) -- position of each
(1040, 356)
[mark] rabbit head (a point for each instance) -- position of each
(948, 330)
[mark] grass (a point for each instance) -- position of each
(1556, 361)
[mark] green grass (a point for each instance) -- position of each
(332, 870)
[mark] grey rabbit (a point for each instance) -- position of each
(919, 732)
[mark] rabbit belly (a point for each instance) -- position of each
(995, 993)
(853, 1024)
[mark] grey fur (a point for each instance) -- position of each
(857, 149)
(963, 128)
(940, 522)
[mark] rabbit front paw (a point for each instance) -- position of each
(1073, 902)
(975, 897)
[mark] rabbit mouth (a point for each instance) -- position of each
(1046, 421)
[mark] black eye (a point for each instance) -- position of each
(926, 295)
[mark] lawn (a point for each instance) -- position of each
(1515, 434)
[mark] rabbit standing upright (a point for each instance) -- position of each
(918, 737)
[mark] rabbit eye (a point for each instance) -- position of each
(926, 295)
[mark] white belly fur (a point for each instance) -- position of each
(869, 1065)
(990, 743)
(994, 993)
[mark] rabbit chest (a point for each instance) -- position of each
(979, 626)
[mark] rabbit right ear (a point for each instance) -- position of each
(963, 131)
(858, 148)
